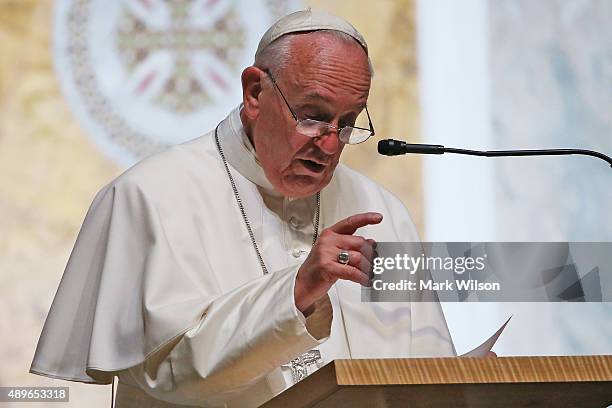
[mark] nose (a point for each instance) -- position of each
(329, 142)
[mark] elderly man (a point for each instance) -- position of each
(225, 269)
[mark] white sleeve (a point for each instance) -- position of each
(242, 336)
(430, 334)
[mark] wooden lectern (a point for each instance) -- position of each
(572, 381)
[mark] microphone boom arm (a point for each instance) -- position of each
(391, 147)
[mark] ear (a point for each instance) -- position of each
(251, 90)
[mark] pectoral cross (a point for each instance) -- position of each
(302, 366)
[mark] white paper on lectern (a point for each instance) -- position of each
(484, 348)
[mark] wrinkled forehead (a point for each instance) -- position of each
(323, 66)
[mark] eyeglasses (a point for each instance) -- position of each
(316, 128)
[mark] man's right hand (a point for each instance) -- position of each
(321, 268)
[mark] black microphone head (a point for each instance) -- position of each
(390, 147)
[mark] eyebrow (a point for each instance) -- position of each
(316, 96)
(308, 101)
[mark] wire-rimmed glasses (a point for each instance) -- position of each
(316, 128)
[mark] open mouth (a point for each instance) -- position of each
(312, 166)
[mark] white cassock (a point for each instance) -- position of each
(164, 289)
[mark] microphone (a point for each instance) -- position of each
(392, 147)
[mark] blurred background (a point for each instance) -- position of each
(89, 87)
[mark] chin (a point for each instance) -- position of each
(298, 186)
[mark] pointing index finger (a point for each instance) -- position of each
(351, 224)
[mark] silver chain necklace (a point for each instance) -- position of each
(243, 212)
(300, 366)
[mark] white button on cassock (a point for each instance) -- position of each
(297, 252)
(294, 222)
